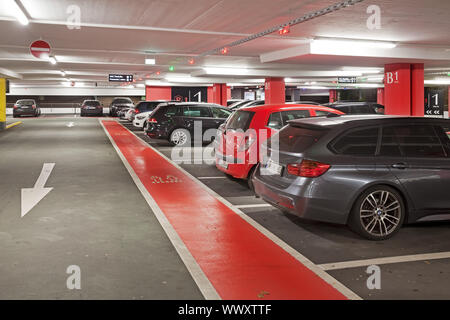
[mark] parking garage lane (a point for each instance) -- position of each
(324, 243)
(94, 218)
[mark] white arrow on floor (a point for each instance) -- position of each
(32, 196)
(70, 124)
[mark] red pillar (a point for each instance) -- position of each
(404, 89)
(219, 93)
(380, 96)
(209, 95)
(333, 95)
(275, 91)
(449, 101)
(158, 93)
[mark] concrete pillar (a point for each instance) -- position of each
(2, 104)
(275, 91)
(333, 95)
(404, 89)
(380, 96)
(220, 93)
(158, 93)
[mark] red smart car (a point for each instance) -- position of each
(239, 138)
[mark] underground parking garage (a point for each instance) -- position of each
(222, 155)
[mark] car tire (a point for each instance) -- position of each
(180, 137)
(378, 213)
(249, 178)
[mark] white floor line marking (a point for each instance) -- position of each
(189, 161)
(387, 260)
(297, 255)
(203, 283)
(260, 205)
(206, 178)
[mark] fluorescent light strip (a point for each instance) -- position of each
(20, 15)
(349, 43)
(227, 71)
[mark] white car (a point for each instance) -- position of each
(141, 118)
(129, 114)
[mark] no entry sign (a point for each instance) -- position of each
(40, 49)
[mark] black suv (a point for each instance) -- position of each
(357, 107)
(118, 104)
(175, 121)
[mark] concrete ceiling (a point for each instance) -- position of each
(116, 36)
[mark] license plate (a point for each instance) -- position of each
(222, 163)
(273, 168)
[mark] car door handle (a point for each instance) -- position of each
(400, 165)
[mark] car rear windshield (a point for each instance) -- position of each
(240, 120)
(25, 102)
(92, 103)
(296, 139)
(126, 101)
(147, 106)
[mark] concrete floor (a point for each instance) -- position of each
(327, 243)
(95, 218)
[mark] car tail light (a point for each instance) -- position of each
(15, 106)
(136, 111)
(246, 143)
(33, 106)
(308, 168)
(152, 120)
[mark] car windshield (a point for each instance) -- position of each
(25, 102)
(240, 120)
(126, 101)
(92, 103)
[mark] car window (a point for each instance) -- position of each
(361, 109)
(389, 145)
(359, 142)
(220, 113)
(294, 114)
(240, 120)
(443, 132)
(320, 113)
(25, 102)
(92, 103)
(344, 109)
(126, 101)
(274, 121)
(196, 112)
(171, 111)
(296, 139)
(418, 141)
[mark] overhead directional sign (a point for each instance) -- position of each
(40, 49)
(347, 80)
(434, 104)
(121, 78)
(32, 196)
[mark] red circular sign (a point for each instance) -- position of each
(40, 49)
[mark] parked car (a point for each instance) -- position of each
(249, 103)
(371, 172)
(121, 113)
(91, 107)
(357, 107)
(26, 107)
(236, 104)
(233, 101)
(175, 121)
(304, 102)
(237, 147)
(119, 103)
(140, 120)
(129, 115)
(144, 107)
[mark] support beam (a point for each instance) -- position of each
(333, 95)
(275, 91)
(380, 96)
(220, 94)
(2, 104)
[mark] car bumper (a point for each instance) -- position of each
(138, 123)
(30, 112)
(236, 168)
(300, 199)
(91, 111)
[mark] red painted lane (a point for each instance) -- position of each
(239, 261)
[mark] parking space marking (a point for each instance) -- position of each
(206, 178)
(191, 264)
(261, 205)
(240, 257)
(386, 260)
(13, 124)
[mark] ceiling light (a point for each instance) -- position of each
(224, 50)
(150, 61)
(158, 73)
(284, 30)
(349, 43)
(191, 61)
(20, 14)
(438, 81)
(52, 60)
(226, 71)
